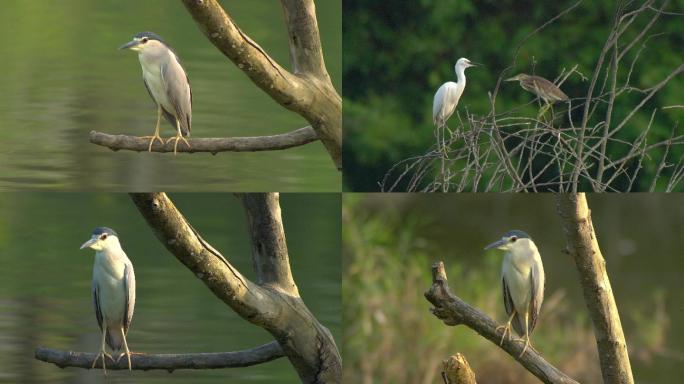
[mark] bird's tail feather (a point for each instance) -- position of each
(519, 324)
(114, 339)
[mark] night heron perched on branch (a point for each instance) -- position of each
(541, 87)
(113, 292)
(523, 277)
(446, 98)
(167, 84)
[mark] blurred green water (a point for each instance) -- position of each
(45, 282)
(64, 76)
(639, 235)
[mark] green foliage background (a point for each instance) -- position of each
(397, 53)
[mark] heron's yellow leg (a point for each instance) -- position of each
(156, 132)
(525, 339)
(102, 353)
(506, 328)
(543, 110)
(126, 351)
(178, 137)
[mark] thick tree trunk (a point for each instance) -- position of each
(583, 246)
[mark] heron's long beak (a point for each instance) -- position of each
(88, 243)
(130, 44)
(496, 244)
(514, 78)
(472, 64)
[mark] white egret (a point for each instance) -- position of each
(446, 99)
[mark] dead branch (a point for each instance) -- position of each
(453, 311)
(456, 370)
(505, 152)
(582, 245)
(169, 362)
(212, 145)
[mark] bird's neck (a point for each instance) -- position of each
(460, 75)
(112, 261)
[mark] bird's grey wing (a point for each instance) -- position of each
(508, 301)
(537, 283)
(129, 287)
(167, 115)
(96, 304)
(178, 91)
(517, 322)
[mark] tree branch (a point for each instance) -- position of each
(269, 249)
(212, 145)
(309, 92)
(456, 370)
(306, 53)
(264, 71)
(453, 311)
(308, 345)
(207, 264)
(169, 362)
(598, 295)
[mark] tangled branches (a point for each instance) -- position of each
(581, 146)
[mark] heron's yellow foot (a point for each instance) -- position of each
(152, 140)
(506, 329)
(128, 356)
(103, 354)
(177, 138)
(526, 340)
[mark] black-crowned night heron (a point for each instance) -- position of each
(166, 83)
(523, 277)
(447, 96)
(541, 87)
(113, 292)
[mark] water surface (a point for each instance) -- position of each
(45, 297)
(63, 76)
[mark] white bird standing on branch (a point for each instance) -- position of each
(446, 99)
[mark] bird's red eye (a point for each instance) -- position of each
(144, 40)
(103, 237)
(513, 239)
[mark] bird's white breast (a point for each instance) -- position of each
(517, 268)
(108, 274)
(151, 70)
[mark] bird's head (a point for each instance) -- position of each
(511, 240)
(102, 238)
(145, 42)
(464, 63)
(518, 77)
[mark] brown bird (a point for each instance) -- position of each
(541, 87)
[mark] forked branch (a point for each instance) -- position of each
(307, 90)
